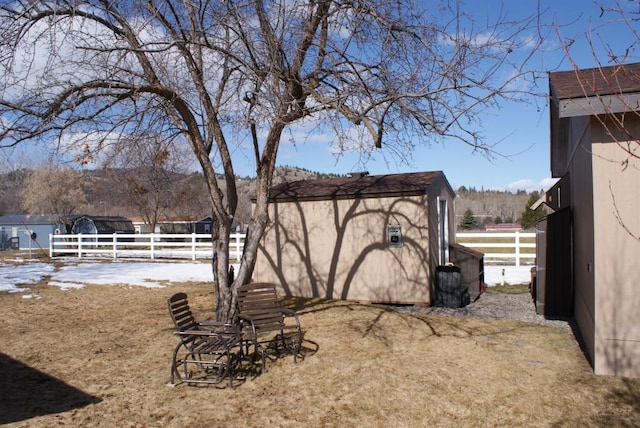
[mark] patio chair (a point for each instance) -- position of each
(266, 322)
(206, 349)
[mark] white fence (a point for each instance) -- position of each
(510, 242)
(198, 246)
(150, 245)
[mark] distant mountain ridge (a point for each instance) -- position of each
(99, 185)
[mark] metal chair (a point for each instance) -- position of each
(264, 320)
(208, 351)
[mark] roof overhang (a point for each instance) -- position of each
(596, 105)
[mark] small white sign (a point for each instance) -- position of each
(394, 236)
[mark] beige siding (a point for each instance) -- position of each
(616, 177)
(338, 248)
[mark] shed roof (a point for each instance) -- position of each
(589, 91)
(584, 93)
(369, 186)
(618, 79)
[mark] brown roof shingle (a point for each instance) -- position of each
(409, 184)
(589, 82)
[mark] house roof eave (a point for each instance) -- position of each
(597, 105)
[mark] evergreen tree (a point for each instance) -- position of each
(468, 221)
(530, 217)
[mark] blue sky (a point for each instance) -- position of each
(520, 131)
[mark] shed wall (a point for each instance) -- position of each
(338, 248)
(21, 231)
(616, 178)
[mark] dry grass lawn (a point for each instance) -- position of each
(100, 356)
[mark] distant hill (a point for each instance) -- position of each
(488, 206)
(105, 195)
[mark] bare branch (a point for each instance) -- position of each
(89, 74)
(618, 216)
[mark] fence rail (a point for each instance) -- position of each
(149, 245)
(516, 246)
(504, 247)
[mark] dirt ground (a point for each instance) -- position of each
(100, 356)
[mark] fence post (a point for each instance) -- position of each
(79, 245)
(152, 245)
(115, 246)
(517, 248)
(193, 246)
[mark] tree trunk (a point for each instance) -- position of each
(225, 299)
(226, 289)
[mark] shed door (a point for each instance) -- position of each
(558, 293)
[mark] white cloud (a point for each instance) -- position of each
(530, 185)
(308, 130)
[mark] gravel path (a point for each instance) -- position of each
(519, 307)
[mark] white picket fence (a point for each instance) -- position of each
(148, 245)
(512, 253)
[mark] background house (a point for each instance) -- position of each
(23, 232)
(199, 226)
(367, 238)
(592, 240)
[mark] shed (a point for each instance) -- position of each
(592, 238)
(99, 224)
(203, 225)
(188, 224)
(24, 231)
(366, 238)
(206, 225)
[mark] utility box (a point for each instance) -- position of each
(449, 291)
(471, 264)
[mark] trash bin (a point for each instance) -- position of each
(449, 291)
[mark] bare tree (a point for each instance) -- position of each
(146, 170)
(221, 74)
(57, 191)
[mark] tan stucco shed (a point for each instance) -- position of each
(364, 237)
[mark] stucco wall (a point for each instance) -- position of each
(338, 248)
(616, 177)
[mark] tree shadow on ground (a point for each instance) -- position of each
(437, 325)
(26, 393)
(627, 394)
